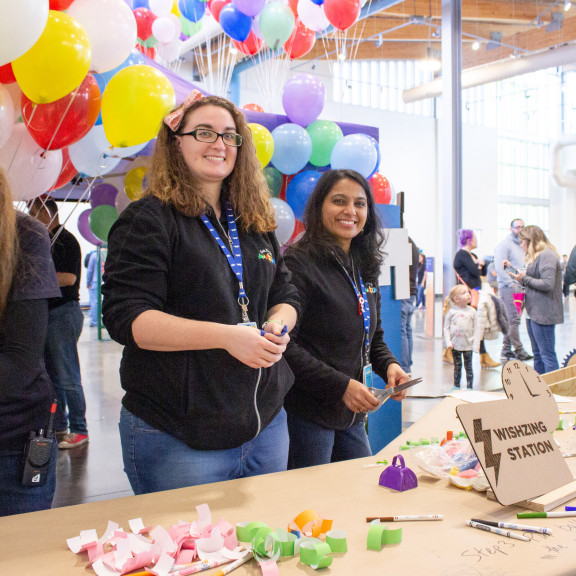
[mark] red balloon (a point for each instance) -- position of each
(60, 4)
(293, 4)
(301, 41)
(144, 19)
(381, 189)
(7, 74)
(253, 107)
(250, 46)
(67, 173)
(65, 121)
(342, 13)
(299, 230)
(216, 6)
(147, 51)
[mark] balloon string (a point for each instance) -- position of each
(72, 96)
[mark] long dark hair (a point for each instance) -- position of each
(365, 248)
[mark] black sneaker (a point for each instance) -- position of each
(523, 356)
(507, 356)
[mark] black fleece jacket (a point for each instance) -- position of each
(325, 350)
(159, 259)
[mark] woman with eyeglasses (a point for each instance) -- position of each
(542, 281)
(197, 291)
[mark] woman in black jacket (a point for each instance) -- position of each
(335, 267)
(197, 291)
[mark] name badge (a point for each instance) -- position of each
(367, 375)
(251, 324)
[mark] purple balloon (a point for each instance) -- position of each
(84, 228)
(303, 99)
(103, 194)
(250, 7)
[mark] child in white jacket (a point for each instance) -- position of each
(462, 332)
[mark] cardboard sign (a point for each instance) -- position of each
(513, 439)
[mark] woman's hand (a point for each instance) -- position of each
(252, 348)
(277, 333)
(358, 398)
(395, 376)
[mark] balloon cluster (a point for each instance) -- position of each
(94, 224)
(294, 154)
(84, 93)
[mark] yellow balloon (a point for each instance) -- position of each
(134, 104)
(264, 143)
(57, 63)
(133, 182)
(175, 9)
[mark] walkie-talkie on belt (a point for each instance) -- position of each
(36, 457)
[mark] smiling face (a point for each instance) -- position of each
(209, 162)
(344, 212)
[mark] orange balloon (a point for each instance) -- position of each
(253, 107)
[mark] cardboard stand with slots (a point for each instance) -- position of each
(513, 439)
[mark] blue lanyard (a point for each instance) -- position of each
(235, 259)
(363, 308)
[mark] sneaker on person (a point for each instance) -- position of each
(73, 440)
(523, 356)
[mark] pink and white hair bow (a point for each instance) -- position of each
(174, 119)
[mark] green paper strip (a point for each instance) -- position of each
(336, 539)
(300, 541)
(245, 531)
(379, 535)
(286, 541)
(315, 555)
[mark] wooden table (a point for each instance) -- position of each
(347, 492)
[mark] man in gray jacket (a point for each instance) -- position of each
(509, 249)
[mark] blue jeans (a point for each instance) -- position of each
(421, 297)
(406, 312)
(63, 366)
(155, 460)
(18, 499)
(543, 340)
(312, 444)
(94, 304)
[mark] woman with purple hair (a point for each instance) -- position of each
(469, 268)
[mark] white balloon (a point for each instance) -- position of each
(163, 29)
(177, 25)
(169, 51)
(31, 171)
(6, 115)
(312, 15)
(88, 158)
(21, 24)
(111, 28)
(285, 220)
(101, 142)
(160, 7)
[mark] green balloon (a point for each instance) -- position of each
(101, 219)
(190, 28)
(274, 180)
(276, 24)
(324, 135)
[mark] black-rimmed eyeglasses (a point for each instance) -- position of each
(209, 136)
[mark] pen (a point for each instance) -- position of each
(199, 567)
(514, 526)
(405, 518)
(497, 531)
(234, 564)
(570, 508)
(545, 514)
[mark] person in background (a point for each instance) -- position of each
(421, 282)
(509, 250)
(563, 266)
(542, 281)
(462, 332)
(196, 290)
(469, 270)
(92, 283)
(570, 276)
(27, 280)
(338, 339)
(408, 305)
(64, 328)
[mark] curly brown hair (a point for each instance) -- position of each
(170, 179)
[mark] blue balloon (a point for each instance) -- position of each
(140, 4)
(377, 146)
(235, 23)
(292, 148)
(192, 10)
(318, 2)
(299, 190)
(355, 152)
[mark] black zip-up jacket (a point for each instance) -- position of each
(325, 350)
(159, 259)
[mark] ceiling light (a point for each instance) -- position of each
(432, 62)
(342, 55)
(475, 45)
(567, 5)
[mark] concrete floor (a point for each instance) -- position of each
(94, 471)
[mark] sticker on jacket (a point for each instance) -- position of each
(265, 254)
(370, 288)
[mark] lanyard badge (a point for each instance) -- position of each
(234, 259)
